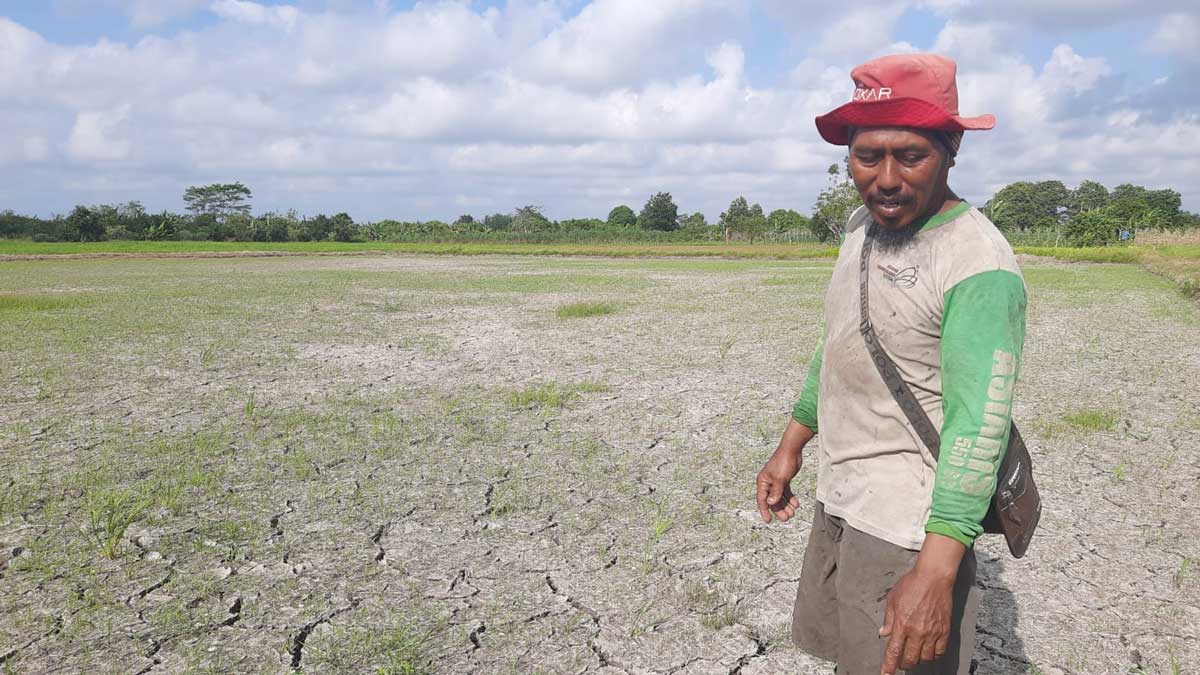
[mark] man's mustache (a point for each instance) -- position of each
(903, 200)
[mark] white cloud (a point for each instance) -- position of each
(861, 31)
(403, 113)
(278, 16)
(94, 135)
(1178, 35)
(1054, 15)
(1068, 72)
(613, 42)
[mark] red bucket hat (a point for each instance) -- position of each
(902, 90)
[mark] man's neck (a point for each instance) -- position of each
(952, 200)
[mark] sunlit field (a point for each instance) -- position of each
(518, 464)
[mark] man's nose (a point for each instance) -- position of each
(888, 179)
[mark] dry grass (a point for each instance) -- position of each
(1166, 237)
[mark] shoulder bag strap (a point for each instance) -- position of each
(884, 363)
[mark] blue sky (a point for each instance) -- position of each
(428, 110)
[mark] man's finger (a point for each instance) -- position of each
(892, 655)
(888, 615)
(775, 493)
(795, 502)
(913, 648)
(940, 646)
(927, 651)
(763, 509)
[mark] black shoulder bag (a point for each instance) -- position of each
(1016, 506)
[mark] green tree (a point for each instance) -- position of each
(85, 224)
(465, 219)
(738, 209)
(1130, 210)
(786, 220)
(1088, 196)
(835, 204)
(1029, 205)
(750, 225)
(659, 213)
(622, 216)
(344, 228)
(1126, 190)
(219, 199)
(695, 221)
(497, 222)
(1166, 202)
(529, 219)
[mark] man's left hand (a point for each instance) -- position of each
(916, 620)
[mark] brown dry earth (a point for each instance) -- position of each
(406, 464)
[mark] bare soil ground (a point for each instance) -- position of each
(407, 464)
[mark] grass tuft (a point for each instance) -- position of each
(35, 303)
(550, 395)
(391, 650)
(1078, 422)
(1091, 420)
(577, 310)
(110, 513)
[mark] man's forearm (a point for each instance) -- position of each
(940, 557)
(795, 437)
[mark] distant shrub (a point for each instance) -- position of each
(1092, 228)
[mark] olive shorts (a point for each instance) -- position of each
(844, 584)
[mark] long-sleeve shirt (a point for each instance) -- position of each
(949, 308)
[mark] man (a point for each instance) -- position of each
(888, 576)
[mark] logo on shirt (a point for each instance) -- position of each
(901, 278)
(975, 462)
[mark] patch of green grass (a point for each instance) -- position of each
(1077, 422)
(1103, 254)
(1101, 283)
(578, 310)
(511, 496)
(1091, 420)
(1180, 576)
(109, 513)
(624, 250)
(28, 302)
(399, 649)
(551, 395)
(1120, 472)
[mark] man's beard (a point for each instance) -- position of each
(894, 239)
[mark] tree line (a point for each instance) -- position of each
(1088, 215)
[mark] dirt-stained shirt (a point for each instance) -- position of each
(949, 308)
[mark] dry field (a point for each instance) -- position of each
(402, 465)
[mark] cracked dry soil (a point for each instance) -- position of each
(406, 464)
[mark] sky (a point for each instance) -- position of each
(430, 110)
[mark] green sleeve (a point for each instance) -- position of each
(983, 330)
(805, 410)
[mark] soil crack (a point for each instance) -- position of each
(301, 636)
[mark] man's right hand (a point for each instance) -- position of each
(775, 480)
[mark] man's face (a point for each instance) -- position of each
(900, 174)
